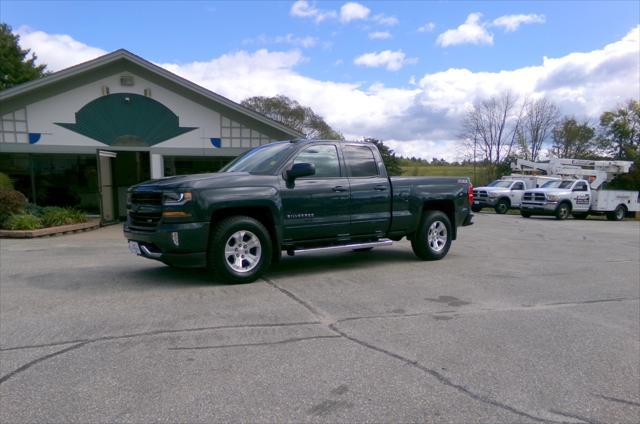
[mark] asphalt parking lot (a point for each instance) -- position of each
(526, 320)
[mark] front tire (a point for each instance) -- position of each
(240, 250)
(433, 237)
(563, 211)
(525, 214)
(476, 208)
(618, 214)
(502, 206)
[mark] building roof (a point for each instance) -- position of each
(125, 55)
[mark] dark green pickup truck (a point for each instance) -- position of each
(296, 196)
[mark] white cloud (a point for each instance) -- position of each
(382, 19)
(392, 60)
(422, 120)
(380, 35)
(289, 39)
(428, 27)
(56, 50)
(353, 11)
(472, 31)
(511, 23)
(303, 9)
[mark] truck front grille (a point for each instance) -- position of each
(145, 210)
(479, 193)
(146, 221)
(533, 197)
(146, 198)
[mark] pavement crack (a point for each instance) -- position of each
(161, 332)
(441, 378)
(38, 360)
(574, 416)
(332, 325)
(324, 319)
(586, 302)
(285, 341)
(612, 399)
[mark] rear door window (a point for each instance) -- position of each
(360, 161)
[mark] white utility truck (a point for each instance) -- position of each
(505, 193)
(580, 191)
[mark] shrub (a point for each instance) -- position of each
(55, 216)
(34, 209)
(11, 202)
(5, 182)
(23, 221)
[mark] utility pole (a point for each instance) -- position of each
(475, 141)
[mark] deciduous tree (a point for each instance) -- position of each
(292, 114)
(572, 139)
(539, 118)
(16, 64)
(490, 127)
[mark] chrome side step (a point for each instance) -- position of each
(379, 243)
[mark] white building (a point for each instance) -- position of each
(81, 136)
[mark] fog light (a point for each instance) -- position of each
(175, 239)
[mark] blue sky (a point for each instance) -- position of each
(365, 46)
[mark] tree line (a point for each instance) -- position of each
(502, 128)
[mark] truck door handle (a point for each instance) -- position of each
(339, 189)
(381, 188)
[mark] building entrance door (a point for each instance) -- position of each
(105, 180)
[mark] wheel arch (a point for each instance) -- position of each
(262, 214)
(446, 206)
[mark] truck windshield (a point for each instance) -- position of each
(263, 160)
(557, 184)
(500, 183)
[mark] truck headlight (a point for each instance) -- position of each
(553, 197)
(175, 198)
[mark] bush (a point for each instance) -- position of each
(5, 182)
(34, 210)
(23, 221)
(55, 216)
(11, 202)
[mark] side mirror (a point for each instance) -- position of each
(299, 170)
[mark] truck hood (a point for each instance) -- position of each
(492, 189)
(191, 181)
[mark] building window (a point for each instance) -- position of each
(13, 127)
(236, 135)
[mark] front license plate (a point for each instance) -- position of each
(134, 248)
(476, 202)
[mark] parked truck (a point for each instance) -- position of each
(505, 193)
(575, 197)
(297, 197)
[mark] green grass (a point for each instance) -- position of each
(448, 171)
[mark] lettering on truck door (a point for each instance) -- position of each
(515, 194)
(580, 197)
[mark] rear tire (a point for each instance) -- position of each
(502, 206)
(525, 214)
(618, 214)
(563, 211)
(433, 236)
(240, 250)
